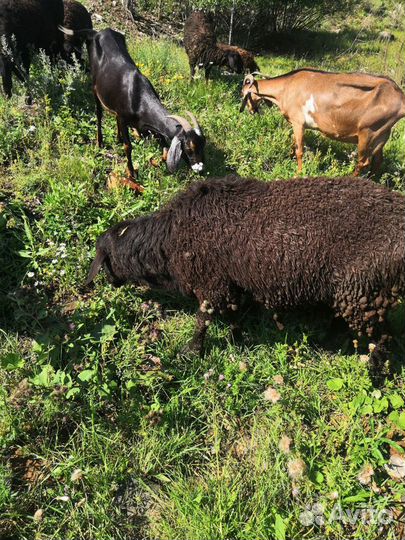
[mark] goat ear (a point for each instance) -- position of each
(174, 155)
(95, 267)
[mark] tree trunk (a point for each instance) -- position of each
(231, 22)
(130, 6)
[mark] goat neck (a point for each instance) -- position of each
(271, 89)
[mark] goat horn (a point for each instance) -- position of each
(182, 121)
(258, 74)
(194, 121)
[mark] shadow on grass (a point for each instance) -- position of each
(257, 326)
(313, 45)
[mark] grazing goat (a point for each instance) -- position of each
(76, 18)
(120, 87)
(349, 107)
(25, 24)
(203, 50)
(290, 243)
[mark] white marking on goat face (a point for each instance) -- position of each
(309, 108)
(197, 167)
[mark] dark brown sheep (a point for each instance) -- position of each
(76, 18)
(290, 243)
(25, 24)
(248, 59)
(202, 49)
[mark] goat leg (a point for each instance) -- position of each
(119, 135)
(128, 147)
(299, 144)
(364, 157)
(99, 113)
(376, 162)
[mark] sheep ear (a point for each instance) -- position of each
(174, 155)
(95, 267)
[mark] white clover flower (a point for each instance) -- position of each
(30, 274)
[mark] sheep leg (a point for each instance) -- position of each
(192, 71)
(99, 113)
(378, 358)
(128, 147)
(299, 144)
(207, 72)
(195, 345)
(6, 75)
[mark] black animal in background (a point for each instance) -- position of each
(120, 87)
(300, 242)
(76, 17)
(27, 25)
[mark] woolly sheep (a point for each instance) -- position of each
(25, 23)
(288, 243)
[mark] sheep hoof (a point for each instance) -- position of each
(192, 348)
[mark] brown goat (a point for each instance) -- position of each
(349, 107)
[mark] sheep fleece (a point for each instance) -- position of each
(292, 242)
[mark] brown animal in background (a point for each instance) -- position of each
(350, 107)
(203, 50)
(248, 59)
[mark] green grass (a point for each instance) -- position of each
(104, 428)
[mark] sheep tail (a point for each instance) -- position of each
(95, 266)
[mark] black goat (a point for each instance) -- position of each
(76, 18)
(339, 242)
(120, 87)
(26, 24)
